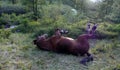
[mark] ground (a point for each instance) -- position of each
(18, 53)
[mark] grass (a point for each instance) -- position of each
(18, 53)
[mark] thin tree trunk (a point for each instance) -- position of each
(35, 9)
(13, 1)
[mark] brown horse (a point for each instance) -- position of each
(61, 44)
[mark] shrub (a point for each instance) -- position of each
(43, 30)
(114, 28)
(117, 67)
(26, 26)
(106, 34)
(9, 9)
(5, 33)
(53, 11)
(111, 27)
(104, 46)
(5, 19)
(75, 29)
(13, 19)
(108, 30)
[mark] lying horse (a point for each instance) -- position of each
(61, 44)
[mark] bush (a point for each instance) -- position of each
(13, 19)
(117, 67)
(5, 33)
(8, 20)
(75, 29)
(26, 26)
(114, 28)
(106, 34)
(9, 9)
(53, 11)
(42, 30)
(108, 30)
(4, 19)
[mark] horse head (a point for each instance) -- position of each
(40, 38)
(42, 42)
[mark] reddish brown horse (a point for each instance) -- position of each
(61, 44)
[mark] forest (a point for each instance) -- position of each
(21, 21)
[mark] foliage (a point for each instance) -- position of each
(107, 30)
(5, 33)
(9, 9)
(109, 10)
(77, 4)
(105, 45)
(26, 26)
(13, 19)
(114, 28)
(115, 15)
(8, 19)
(117, 67)
(55, 11)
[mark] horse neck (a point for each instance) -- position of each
(44, 44)
(84, 38)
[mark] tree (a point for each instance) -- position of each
(31, 5)
(13, 1)
(105, 8)
(115, 14)
(110, 10)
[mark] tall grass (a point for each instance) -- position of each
(18, 52)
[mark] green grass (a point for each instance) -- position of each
(18, 53)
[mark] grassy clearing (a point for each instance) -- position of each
(18, 53)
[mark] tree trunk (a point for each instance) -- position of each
(13, 1)
(35, 9)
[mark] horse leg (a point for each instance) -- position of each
(87, 59)
(90, 57)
